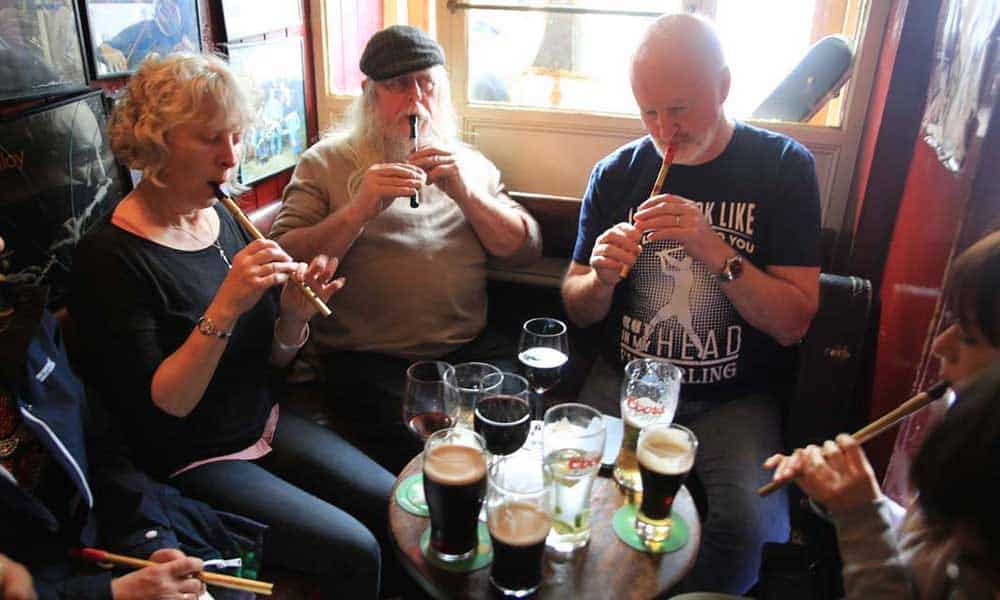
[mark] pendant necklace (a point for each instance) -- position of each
(216, 243)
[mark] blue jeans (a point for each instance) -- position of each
(324, 502)
(734, 439)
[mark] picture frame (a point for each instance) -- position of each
(272, 72)
(60, 179)
(121, 33)
(41, 49)
(244, 18)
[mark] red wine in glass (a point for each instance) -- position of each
(504, 422)
(425, 423)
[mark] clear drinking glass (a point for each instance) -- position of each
(519, 508)
(424, 409)
(666, 455)
(650, 392)
(504, 417)
(543, 351)
(454, 466)
(464, 385)
(572, 445)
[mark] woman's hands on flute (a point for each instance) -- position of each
(256, 268)
(295, 306)
(836, 475)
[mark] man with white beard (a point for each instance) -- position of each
(416, 277)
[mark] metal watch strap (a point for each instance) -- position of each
(732, 268)
(207, 326)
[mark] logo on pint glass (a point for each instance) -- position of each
(644, 406)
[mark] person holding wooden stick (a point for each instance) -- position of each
(187, 321)
(739, 215)
(837, 475)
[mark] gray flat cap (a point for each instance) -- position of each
(398, 50)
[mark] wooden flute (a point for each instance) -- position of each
(668, 159)
(238, 214)
(881, 424)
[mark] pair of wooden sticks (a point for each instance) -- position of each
(217, 579)
(882, 424)
(237, 213)
(668, 159)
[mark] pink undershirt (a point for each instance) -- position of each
(258, 449)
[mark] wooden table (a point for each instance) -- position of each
(605, 564)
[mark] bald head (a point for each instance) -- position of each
(679, 43)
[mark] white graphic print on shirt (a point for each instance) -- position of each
(677, 309)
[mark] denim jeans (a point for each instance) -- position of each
(734, 438)
(324, 502)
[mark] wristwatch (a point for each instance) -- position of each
(207, 326)
(732, 268)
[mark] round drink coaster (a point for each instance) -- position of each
(481, 558)
(410, 495)
(624, 525)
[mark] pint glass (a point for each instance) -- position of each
(518, 505)
(572, 445)
(665, 454)
(649, 394)
(454, 485)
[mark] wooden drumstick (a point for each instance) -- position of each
(668, 159)
(232, 207)
(882, 424)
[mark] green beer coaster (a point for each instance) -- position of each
(409, 495)
(624, 524)
(482, 557)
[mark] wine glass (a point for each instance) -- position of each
(504, 417)
(464, 385)
(424, 401)
(543, 351)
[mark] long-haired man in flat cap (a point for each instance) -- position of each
(416, 276)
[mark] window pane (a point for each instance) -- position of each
(349, 24)
(580, 62)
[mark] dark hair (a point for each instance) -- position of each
(960, 461)
(974, 288)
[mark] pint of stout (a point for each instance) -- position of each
(519, 518)
(649, 394)
(665, 454)
(454, 485)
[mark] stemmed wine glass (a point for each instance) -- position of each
(424, 413)
(503, 418)
(543, 351)
(424, 401)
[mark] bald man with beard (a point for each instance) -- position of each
(742, 205)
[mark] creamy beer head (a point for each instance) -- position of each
(519, 524)
(454, 464)
(666, 451)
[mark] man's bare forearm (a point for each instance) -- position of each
(777, 306)
(586, 298)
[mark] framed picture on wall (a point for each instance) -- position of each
(124, 32)
(40, 49)
(273, 74)
(252, 17)
(59, 179)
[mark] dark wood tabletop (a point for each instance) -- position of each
(605, 564)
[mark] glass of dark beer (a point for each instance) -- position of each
(504, 418)
(543, 351)
(519, 509)
(665, 454)
(454, 465)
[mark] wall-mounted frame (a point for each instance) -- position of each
(245, 18)
(272, 72)
(121, 33)
(41, 52)
(59, 179)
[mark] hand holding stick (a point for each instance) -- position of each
(256, 234)
(882, 424)
(668, 159)
(216, 579)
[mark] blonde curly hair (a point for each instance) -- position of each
(166, 92)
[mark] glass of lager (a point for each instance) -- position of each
(650, 391)
(666, 454)
(454, 485)
(572, 445)
(464, 385)
(518, 505)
